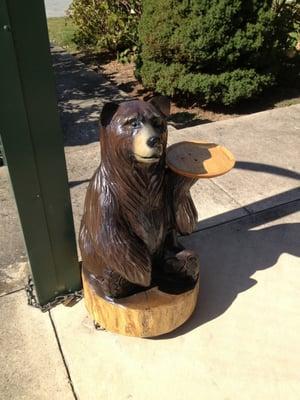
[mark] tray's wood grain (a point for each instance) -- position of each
(146, 314)
(199, 159)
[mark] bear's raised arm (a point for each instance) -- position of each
(188, 161)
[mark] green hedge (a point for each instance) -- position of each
(221, 51)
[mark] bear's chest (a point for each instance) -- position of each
(150, 225)
(144, 206)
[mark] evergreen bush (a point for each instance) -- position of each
(218, 51)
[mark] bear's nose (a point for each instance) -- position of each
(153, 141)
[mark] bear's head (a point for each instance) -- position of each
(134, 132)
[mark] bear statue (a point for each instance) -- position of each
(135, 207)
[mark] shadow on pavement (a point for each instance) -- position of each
(81, 94)
(270, 169)
(231, 253)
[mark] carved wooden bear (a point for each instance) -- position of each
(135, 206)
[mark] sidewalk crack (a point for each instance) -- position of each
(12, 292)
(63, 357)
(232, 198)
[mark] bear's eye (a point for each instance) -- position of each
(135, 124)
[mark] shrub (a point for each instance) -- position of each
(105, 24)
(219, 51)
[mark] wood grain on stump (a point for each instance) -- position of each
(199, 159)
(145, 314)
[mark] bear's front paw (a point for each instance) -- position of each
(185, 263)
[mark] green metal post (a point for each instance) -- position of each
(32, 141)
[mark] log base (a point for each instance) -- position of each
(145, 314)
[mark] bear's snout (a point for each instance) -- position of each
(147, 146)
(153, 141)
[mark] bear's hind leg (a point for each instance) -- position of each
(110, 284)
(115, 286)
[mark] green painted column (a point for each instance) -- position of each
(33, 145)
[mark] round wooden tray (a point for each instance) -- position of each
(145, 314)
(199, 159)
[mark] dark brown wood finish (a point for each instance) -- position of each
(136, 206)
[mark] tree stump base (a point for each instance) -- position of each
(146, 314)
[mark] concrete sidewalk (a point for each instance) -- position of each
(242, 341)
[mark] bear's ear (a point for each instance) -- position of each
(162, 104)
(108, 111)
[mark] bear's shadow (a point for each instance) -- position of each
(229, 255)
